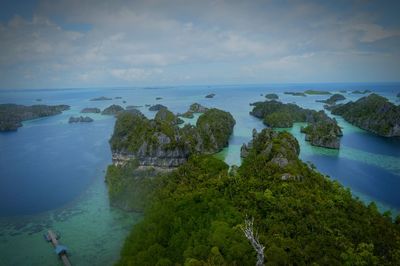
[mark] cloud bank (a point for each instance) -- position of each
(131, 43)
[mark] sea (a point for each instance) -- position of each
(52, 172)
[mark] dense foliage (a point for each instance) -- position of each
(271, 96)
(333, 99)
(321, 130)
(317, 92)
(12, 115)
(373, 113)
(302, 218)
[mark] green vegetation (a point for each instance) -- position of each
(361, 92)
(373, 113)
(112, 110)
(322, 130)
(316, 92)
(12, 115)
(271, 96)
(333, 99)
(195, 215)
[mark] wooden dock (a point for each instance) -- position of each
(52, 237)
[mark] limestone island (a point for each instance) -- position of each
(112, 110)
(194, 108)
(373, 113)
(361, 92)
(333, 99)
(295, 93)
(80, 119)
(272, 96)
(321, 131)
(93, 110)
(133, 107)
(157, 107)
(142, 148)
(102, 98)
(211, 95)
(158, 98)
(12, 115)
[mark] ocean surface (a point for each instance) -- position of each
(52, 172)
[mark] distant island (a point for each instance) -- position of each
(321, 131)
(80, 119)
(295, 93)
(317, 92)
(272, 96)
(157, 107)
(12, 115)
(361, 92)
(194, 108)
(112, 110)
(373, 113)
(102, 98)
(211, 95)
(333, 99)
(91, 110)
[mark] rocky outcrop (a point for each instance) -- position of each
(12, 115)
(102, 98)
(160, 142)
(80, 119)
(373, 113)
(112, 110)
(91, 110)
(272, 96)
(197, 108)
(321, 131)
(211, 95)
(157, 107)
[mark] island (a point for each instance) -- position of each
(12, 115)
(133, 107)
(317, 92)
(80, 119)
(158, 98)
(295, 93)
(373, 113)
(272, 96)
(211, 95)
(143, 148)
(94, 110)
(112, 110)
(157, 107)
(194, 108)
(118, 97)
(321, 131)
(274, 208)
(101, 98)
(333, 99)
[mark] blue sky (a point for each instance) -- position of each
(59, 44)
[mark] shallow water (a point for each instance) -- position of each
(52, 172)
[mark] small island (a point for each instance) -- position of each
(211, 95)
(101, 98)
(80, 119)
(295, 93)
(12, 115)
(194, 108)
(317, 92)
(333, 99)
(361, 92)
(158, 98)
(94, 110)
(321, 131)
(157, 107)
(373, 113)
(112, 110)
(272, 96)
(133, 107)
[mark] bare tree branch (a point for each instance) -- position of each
(253, 238)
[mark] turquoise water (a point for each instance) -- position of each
(52, 172)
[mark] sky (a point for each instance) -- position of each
(78, 43)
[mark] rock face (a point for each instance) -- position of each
(373, 113)
(333, 99)
(211, 95)
(157, 107)
(102, 98)
(12, 115)
(80, 119)
(272, 96)
(321, 131)
(160, 142)
(91, 110)
(112, 110)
